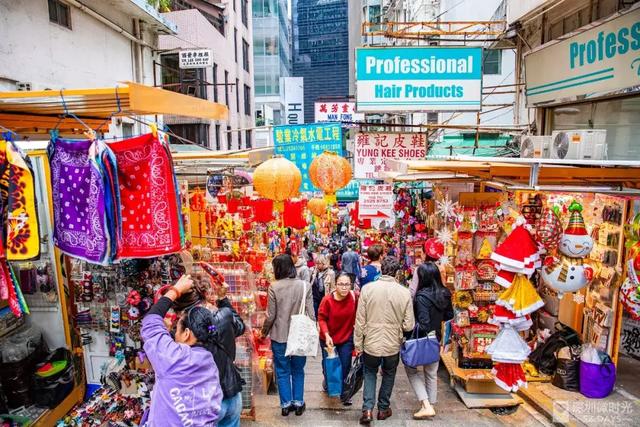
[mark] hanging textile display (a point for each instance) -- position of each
(19, 211)
(148, 199)
(80, 201)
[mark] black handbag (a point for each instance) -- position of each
(353, 382)
(49, 391)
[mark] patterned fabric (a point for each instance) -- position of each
(148, 199)
(18, 204)
(78, 193)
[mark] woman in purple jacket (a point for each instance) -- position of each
(187, 391)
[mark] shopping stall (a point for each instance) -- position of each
(534, 251)
(67, 274)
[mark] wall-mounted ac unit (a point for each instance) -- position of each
(582, 144)
(535, 147)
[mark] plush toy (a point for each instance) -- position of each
(569, 272)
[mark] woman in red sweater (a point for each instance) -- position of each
(336, 318)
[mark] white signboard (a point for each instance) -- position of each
(422, 78)
(337, 112)
(196, 58)
(293, 90)
(373, 149)
(376, 203)
(602, 59)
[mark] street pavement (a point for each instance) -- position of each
(323, 411)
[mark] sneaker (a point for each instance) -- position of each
(426, 411)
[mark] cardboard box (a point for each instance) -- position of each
(483, 386)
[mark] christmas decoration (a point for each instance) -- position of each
(521, 297)
(445, 236)
(518, 252)
(446, 208)
(485, 249)
(549, 229)
(433, 248)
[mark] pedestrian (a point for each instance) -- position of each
(323, 281)
(336, 319)
(432, 306)
(334, 258)
(284, 299)
(302, 270)
(371, 271)
(187, 389)
(384, 314)
(351, 263)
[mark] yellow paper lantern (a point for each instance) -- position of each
(318, 207)
(330, 172)
(277, 179)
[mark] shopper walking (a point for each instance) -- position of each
(432, 306)
(187, 389)
(284, 298)
(351, 263)
(371, 272)
(323, 281)
(384, 313)
(336, 319)
(303, 272)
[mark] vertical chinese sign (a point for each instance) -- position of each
(374, 149)
(303, 143)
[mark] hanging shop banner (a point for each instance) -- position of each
(301, 144)
(351, 192)
(602, 59)
(418, 79)
(337, 112)
(196, 58)
(293, 90)
(373, 149)
(376, 204)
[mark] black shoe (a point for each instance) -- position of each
(366, 418)
(286, 410)
(347, 402)
(300, 409)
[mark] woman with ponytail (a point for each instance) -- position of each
(187, 391)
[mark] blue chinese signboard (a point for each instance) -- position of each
(351, 192)
(303, 143)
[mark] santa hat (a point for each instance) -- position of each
(576, 222)
(518, 252)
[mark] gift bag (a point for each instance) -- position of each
(597, 381)
(353, 382)
(567, 375)
(333, 372)
(303, 333)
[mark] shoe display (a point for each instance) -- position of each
(384, 414)
(366, 418)
(300, 409)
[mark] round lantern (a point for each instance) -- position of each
(330, 172)
(277, 179)
(318, 207)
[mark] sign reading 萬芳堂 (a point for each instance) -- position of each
(418, 79)
(602, 59)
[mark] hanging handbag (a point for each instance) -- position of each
(420, 351)
(303, 336)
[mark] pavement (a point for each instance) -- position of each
(323, 411)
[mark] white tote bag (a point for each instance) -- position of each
(303, 333)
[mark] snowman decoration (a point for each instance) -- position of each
(569, 272)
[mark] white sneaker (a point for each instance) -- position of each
(425, 412)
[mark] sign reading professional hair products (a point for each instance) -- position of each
(418, 79)
(602, 59)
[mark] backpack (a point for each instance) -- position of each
(544, 356)
(317, 287)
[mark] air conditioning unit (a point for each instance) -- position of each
(589, 144)
(535, 147)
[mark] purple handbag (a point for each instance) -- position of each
(420, 351)
(596, 381)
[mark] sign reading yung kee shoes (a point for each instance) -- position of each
(592, 63)
(426, 78)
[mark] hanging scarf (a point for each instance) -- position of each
(78, 193)
(18, 209)
(148, 199)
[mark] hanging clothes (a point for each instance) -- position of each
(18, 204)
(150, 222)
(78, 192)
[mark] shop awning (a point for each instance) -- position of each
(520, 174)
(36, 112)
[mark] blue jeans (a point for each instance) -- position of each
(289, 374)
(230, 411)
(344, 352)
(371, 365)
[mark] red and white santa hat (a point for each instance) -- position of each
(518, 253)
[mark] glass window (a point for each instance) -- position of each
(235, 43)
(245, 12)
(59, 13)
(218, 136)
(196, 133)
(237, 89)
(189, 81)
(247, 139)
(247, 100)
(245, 55)
(226, 88)
(492, 61)
(229, 137)
(215, 82)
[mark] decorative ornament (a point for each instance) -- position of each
(445, 236)
(630, 298)
(578, 298)
(443, 261)
(330, 173)
(485, 249)
(446, 208)
(433, 248)
(318, 207)
(549, 229)
(277, 179)
(518, 253)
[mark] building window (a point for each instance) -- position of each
(248, 139)
(245, 12)
(228, 137)
(196, 133)
(235, 43)
(247, 100)
(127, 130)
(59, 13)
(245, 55)
(215, 82)
(492, 61)
(226, 88)
(218, 136)
(189, 81)
(237, 95)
